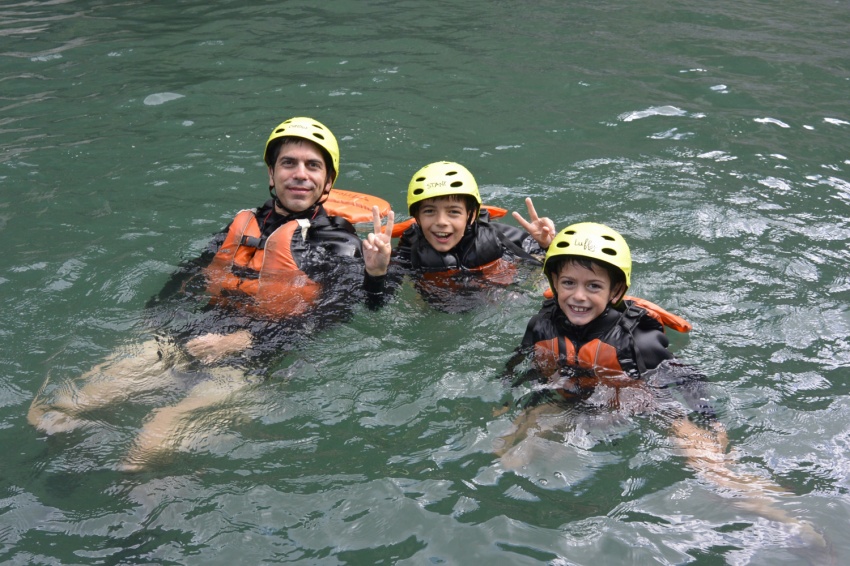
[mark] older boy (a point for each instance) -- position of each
(453, 247)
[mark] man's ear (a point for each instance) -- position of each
(329, 182)
(271, 176)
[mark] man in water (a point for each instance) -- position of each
(270, 279)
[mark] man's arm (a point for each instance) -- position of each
(377, 247)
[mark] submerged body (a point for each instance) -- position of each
(216, 328)
(272, 278)
(592, 350)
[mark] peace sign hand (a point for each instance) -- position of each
(541, 229)
(377, 247)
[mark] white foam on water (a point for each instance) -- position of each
(161, 98)
(652, 111)
(779, 123)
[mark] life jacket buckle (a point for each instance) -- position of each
(253, 242)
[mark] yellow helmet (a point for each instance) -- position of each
(594, 241)
(308, 129)
(441, 179)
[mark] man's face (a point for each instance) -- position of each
(299, 175)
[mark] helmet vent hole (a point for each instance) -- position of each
(563, 244)
(609, 251)
(320, 136)
(418, 191)
(419, 180)
(457, 184)
(607, 237)
(450, 173)
(570, 232)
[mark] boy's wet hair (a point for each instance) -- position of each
(615, 274)
(468, 201)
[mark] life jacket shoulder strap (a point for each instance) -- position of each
(244, 225)
(631, 319)
(518, 251)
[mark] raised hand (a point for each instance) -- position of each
(541, 229)
(377, 247)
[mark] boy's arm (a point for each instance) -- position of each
(524, 353)
(690, 383)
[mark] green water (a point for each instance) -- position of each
(713, 135)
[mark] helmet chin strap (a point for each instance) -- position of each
(277, 201)
(471, 224)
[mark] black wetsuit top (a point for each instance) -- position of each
(330, 255)
(641, 347)
(453, 281)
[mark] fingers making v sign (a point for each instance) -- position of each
(541, 229)
(377, 247)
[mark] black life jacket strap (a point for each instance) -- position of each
(253, 242)
(518, 251)
(630, 320)
(562, 352)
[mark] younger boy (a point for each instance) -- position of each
(587, 328)
(590, 344)
(454, 245)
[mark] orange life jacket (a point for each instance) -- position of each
(499, 271)
(265, 280)
(353, 206)
(597, 361)
(596, 355)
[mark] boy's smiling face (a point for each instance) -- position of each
(443, 221)
(583, 294)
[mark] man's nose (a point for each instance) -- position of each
(300, 170)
